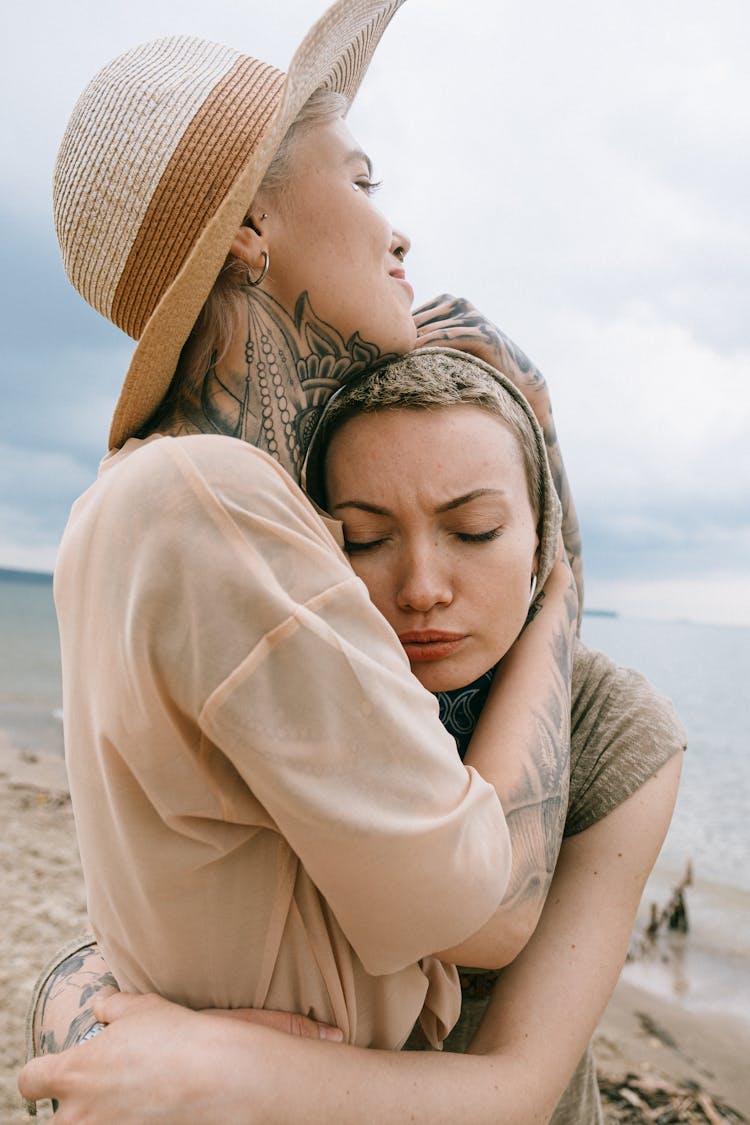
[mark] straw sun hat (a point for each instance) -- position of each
(161, 159)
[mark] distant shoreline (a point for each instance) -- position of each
(33, 577)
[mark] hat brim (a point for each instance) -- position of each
(334, 54)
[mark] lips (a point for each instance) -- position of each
(400, 276)
(429, 644)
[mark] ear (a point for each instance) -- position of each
(249, 243)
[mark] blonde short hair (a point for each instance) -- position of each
(426, 380)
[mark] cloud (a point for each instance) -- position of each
(580, 172)
(61, 370)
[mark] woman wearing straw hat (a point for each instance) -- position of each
(222, 664)
(222, 667)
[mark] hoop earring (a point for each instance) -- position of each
(263, 272)
(533, 589)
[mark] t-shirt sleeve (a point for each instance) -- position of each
(622, 731)
(303, 686)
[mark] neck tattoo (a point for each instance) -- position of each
(271, 391)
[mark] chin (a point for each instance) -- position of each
(447, 679)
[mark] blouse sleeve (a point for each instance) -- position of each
(303, 686)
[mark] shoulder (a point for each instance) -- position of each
(208, 452)
(623, 730)
(196, 465)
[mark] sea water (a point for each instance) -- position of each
(703, 669)
(30, 678)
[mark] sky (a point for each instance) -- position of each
(580, 171)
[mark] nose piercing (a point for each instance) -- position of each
(399, 253)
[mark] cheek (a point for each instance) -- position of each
(378, 581)
(506, 590)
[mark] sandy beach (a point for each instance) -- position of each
(651, 1052)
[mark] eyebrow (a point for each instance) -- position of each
(449, 506)
(475, 494)
(357, 154)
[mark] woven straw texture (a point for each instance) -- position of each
(162, 157)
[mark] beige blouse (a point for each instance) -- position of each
(269, 810)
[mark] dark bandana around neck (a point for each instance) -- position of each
(460, 709)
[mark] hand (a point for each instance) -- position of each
(158, 1062)
(291, 1023)
(453, 322)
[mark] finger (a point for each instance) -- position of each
(291, 1023)
(439, 315)
(37, 1080)
(311, 1029)
(105, 991)
(438, 305)
(437, 333)
(114, 1006)
(436, 301)
(452, 336)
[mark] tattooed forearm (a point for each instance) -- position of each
(64, 1008)
(532, 772)
(536, 807)
(272, 384)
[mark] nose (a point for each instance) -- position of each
(400, 245)
(424, 583)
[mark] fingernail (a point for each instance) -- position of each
(335, 1034)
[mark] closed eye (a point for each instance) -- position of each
(368, 186)
(351, 547)
(480, 536)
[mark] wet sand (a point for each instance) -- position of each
(42, 904)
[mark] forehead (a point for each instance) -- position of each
(452, 441)
(327, 142)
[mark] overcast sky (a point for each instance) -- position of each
(581, 171)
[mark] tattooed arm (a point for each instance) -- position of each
(63, 1010)
(453, 322)
(63, 1005)
(524, 753)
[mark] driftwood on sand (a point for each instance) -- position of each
(672, 916)
(652, 1098)
(648, 1096)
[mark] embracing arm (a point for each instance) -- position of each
(527, 764)
(452, 322)
(549, 1001)
(533, 787)
(537, 1026)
